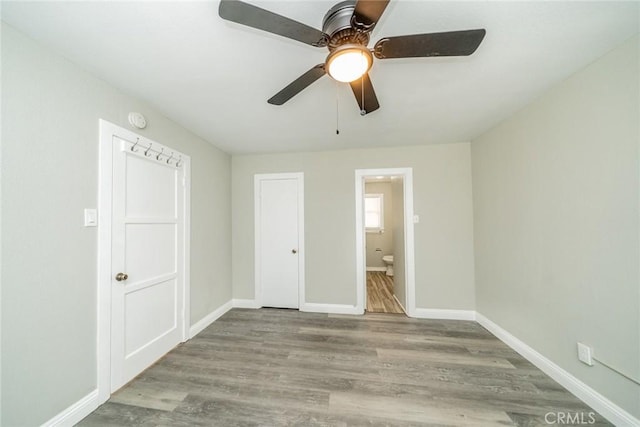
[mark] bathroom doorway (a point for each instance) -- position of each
(384, 240)
(384, 232)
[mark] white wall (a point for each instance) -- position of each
(443, 238)
(50, 112)
(556, 219)
(382, 241)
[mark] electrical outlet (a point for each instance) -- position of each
(584, 354)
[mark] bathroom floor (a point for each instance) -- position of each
(380, 294)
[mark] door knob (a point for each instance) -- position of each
(121, 276)
(293, 251)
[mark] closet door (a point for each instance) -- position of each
(279, 249)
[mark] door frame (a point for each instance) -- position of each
(103, 292)
(257, 180)
(409, 256)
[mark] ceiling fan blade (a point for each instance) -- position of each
(255, 17)
(454, 43)
(367, 13)
(298, 85)
(370, 99)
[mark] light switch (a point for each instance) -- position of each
(90, 218)
(416, 219)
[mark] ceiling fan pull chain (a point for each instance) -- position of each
(337, 112)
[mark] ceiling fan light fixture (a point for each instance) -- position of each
(349, 62)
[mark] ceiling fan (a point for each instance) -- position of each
(346, 29)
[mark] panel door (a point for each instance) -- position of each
(147, 260)
(279, 228)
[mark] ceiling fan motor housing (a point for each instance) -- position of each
(337, 25)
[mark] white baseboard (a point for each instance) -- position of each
(76, 412)
(245, 303)
(376, 268)
(437, 313)
(330, 308)
(598, 402)
(201, 324)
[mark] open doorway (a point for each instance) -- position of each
(384, 240)
(384, 243)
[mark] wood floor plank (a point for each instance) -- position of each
(272, 367)
(443, 358)
(423, 410)
(380, 294)
(145, 395)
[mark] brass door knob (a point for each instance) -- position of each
(121, 276)
(293, 251)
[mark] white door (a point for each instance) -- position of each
(279, 248)
(147, 260)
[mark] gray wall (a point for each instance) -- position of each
(397, 203)
(556, 218)
(50, 112)
(443, 238)
(383, 241)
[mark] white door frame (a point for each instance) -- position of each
(258, 178)
(361, 276)
(105, 191)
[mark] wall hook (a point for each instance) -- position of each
(160, 153)
(179, 162)
(133, 147)
(146, 153)
(169, 159)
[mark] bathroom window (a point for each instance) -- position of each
(374, 213)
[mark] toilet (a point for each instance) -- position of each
(388, 261)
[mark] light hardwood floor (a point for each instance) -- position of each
(380, 293)
(275, 367)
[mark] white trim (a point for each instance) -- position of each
(186, 261)
(331, 308)
(105, 190)
(437, 313)
(400, 304)
(207, 320)
(409, 256)
(588, 395)
(245, 303)
(257, 179)
(376, 268)
(76, 412)
(301, 247)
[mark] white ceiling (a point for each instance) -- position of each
(214, 77)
